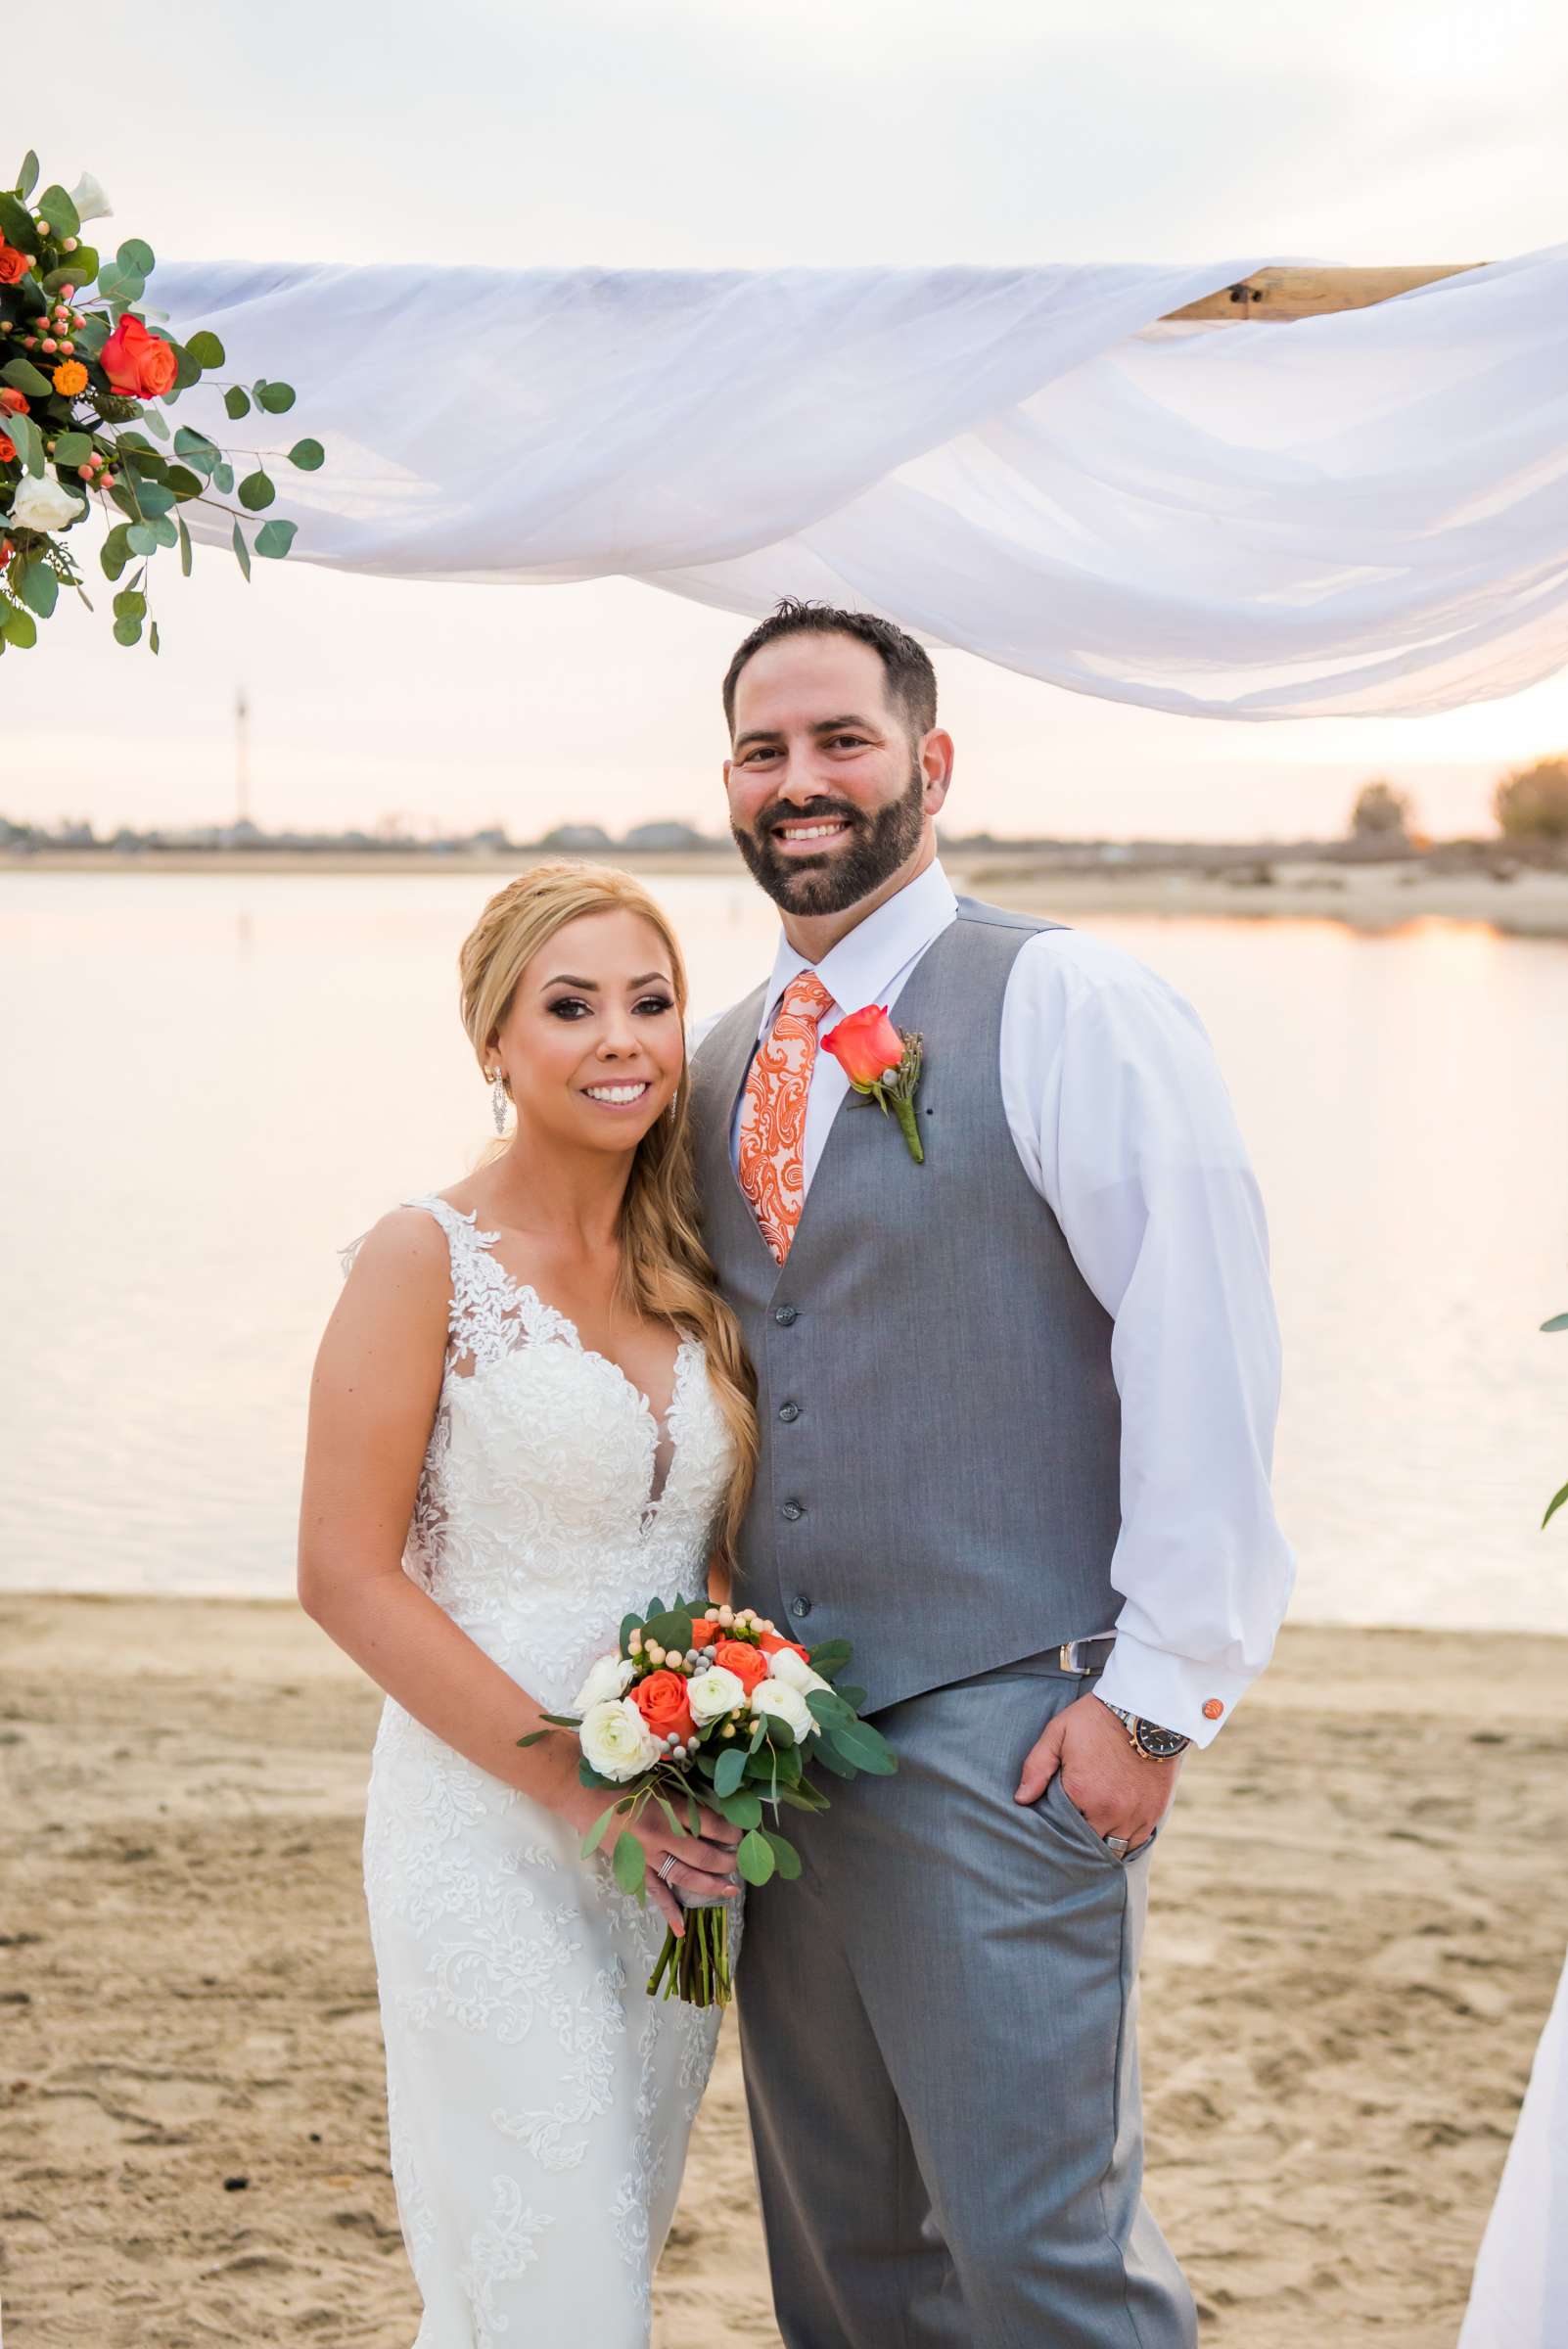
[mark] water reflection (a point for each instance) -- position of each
(219, 1079)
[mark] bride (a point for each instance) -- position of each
(530, 1414)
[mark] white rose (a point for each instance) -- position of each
(617, 1741)
(89, 200)
(794, 1670)
(43, 505)
(785, 1704)
(612, 1676)
(713, 1693)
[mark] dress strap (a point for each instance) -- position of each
(481, 1320)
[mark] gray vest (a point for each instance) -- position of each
(941, 1435)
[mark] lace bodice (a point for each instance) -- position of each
(536, 1525)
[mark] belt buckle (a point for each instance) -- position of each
(1070, 1654)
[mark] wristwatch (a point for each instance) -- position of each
(1147, 1740)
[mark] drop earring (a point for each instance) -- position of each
(498, 1101)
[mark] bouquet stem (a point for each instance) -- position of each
(696, 1967)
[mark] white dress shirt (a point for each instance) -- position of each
(1123, 1124)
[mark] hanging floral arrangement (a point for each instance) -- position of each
(85, 383)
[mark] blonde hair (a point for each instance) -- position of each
(665, 1272)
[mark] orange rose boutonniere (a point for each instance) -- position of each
(883, 1065)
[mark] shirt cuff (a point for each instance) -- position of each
(1171, 1691)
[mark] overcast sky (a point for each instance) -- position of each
(715, 134)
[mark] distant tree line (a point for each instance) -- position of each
(1531, 804)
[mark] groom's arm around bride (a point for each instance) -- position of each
(1051, 1330)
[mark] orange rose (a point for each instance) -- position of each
(141, 365)
(747, 1663)
(8, 449)
(866, 1044)
(12, 401)
(771, 1643)
(6, 552)
(70, 377)
(661, 1699)
(14, 265)
(705, 1633)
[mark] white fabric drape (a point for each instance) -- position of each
(1519, 2299)
(1361, 514)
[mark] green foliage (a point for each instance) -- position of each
(275, 399)
(137, 255)
(242, 552)
(27, 177)
(274, 540)
(38, 586)
(25, 376)
(630, 1864)
(16, 225)
(59, 213)
(18, 626)
(205, 349)
(754, 1857)
(1532, 803)
(729, 1770)
(73, 448)
(236, 404)
(257, 491)
(308, 455)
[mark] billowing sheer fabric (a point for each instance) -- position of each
(539, 2101)
(1362, 514)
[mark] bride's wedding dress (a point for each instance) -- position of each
(539, 2101)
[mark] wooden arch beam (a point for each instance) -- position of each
(1277, 296)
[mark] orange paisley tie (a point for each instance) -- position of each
(772, 1120)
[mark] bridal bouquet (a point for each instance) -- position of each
(707, 1705)
(83, 384)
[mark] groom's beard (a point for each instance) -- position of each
(812, 885)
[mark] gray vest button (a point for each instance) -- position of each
(801, 1606)
(789, 1412)
(791, 1510)
(784, 1314)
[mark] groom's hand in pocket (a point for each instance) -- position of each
(1117, 1792)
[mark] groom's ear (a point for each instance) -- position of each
(936, 757)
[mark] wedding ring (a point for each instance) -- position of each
(667, 1866)
(1119, 1845)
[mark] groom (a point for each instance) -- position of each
(1016, 1409)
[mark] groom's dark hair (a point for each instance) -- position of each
(911, 679)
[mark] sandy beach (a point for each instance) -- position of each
(1359, 1914)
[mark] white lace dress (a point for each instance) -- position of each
(540, 2100)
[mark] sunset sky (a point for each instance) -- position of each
(706, 134)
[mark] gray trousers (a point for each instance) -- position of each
(937, 2026)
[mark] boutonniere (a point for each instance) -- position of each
(883, 1065)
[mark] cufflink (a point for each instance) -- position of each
(1213, 1709)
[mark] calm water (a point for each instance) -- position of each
(209, 1082)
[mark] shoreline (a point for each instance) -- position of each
(1355, 1929)
(1514, 899)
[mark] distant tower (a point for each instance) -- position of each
(241, 757)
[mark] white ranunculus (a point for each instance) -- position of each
(89, 200)
(43, 505)
(794, 1670)
(617, 1741)
(785, 1704)
(610, 1676)
(713, 1693)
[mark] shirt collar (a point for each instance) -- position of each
(863, 966)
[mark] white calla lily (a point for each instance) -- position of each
(89, 199)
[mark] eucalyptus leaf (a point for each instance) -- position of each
(1557, 1321)
(29, 442)
(308, 455)
(130, 604)
(127, 631)
(38, 588)
(754, 1857)
(152, 646)
(275, 399)
(59, 213)
(785, 1856)
(630, 1864)
(183, 483)
(155, 424)
(195, 449)
(274, 540)
(223, 479)
(242, 551)
(256, 493)
(155, 498)
(858, 1742)
(16, 225)
(19, 627)
(831, 1657)
(184, 537)
(729, 1770)
(595, 1835)
(119, 285)
(236, 404)
(114, 553)
(137, 255)
(27, 177)
(1554, 1506)
(73, 448)
(24, 377)
(205, 349)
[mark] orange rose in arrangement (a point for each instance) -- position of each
(705, 1632)
(866, 1044)
(141, 365)
(70, 377)
(6, 552)
(661, 1699)
(12, 401)
(8, 453)
(747, 1663)
(14, 265)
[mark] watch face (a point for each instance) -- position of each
(1163, 1745)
